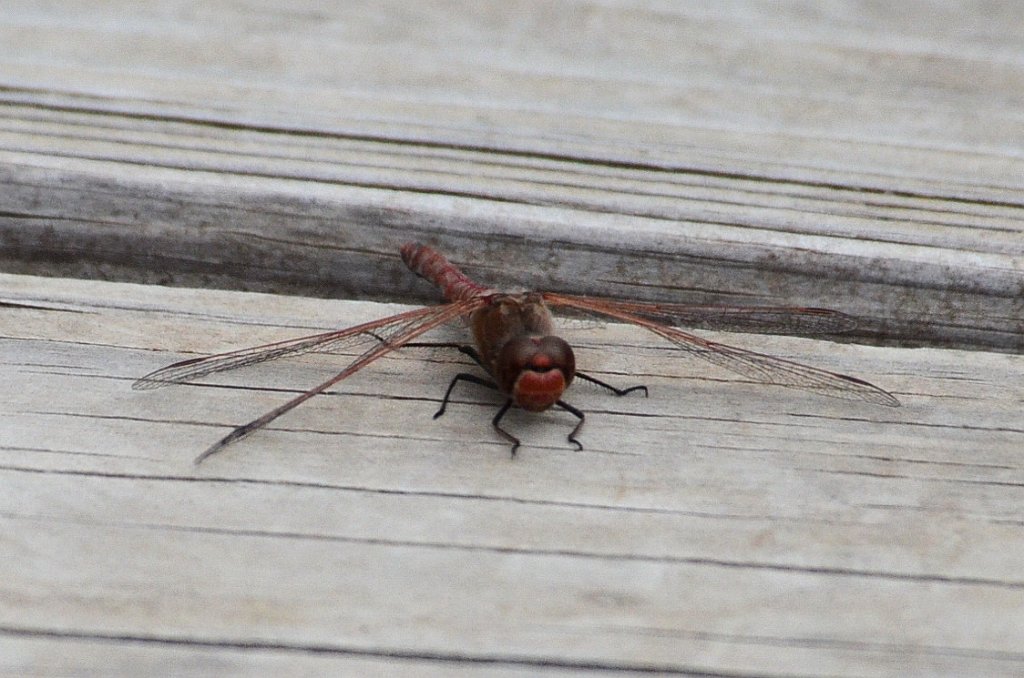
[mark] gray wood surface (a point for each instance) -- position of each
(861, 156)
(717, 527)
(847, 155)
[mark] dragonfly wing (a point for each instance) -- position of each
(377, 331)
(758, 366)
(771, 370)
(767, 319)
(401, 329)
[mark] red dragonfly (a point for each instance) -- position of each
(516, 347)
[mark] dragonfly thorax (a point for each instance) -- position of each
(513, 336)
(505, 317)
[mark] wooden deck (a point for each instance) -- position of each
(716, 526)
(852, 156)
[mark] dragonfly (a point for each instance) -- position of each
(521, 357)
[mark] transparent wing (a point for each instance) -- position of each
(763, 368)
(398, 330)
(384, 331)
(763, 319)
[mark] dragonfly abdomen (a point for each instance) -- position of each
(431, 265)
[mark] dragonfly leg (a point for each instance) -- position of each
(471, 352)
(572, 410)
(616, 391)
(462, 376)
(462, 348)
(496, 422)
(434, 344)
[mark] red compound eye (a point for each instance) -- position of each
(535, 371)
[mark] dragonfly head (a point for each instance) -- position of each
(535, 370)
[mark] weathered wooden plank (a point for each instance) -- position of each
(122, 656)
(861, 157)
(715, 527)
(858, 156)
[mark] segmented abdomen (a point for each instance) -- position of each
(430, 264)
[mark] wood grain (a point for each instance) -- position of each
(717, 527)
(860, 156)
(852, 156)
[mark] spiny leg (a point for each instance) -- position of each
(462, 348)
(471, 352)
(434, 344)
(463, 376)
(572, 410)
(496, 423)
(616, 391)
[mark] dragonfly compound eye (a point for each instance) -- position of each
(535, 370)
